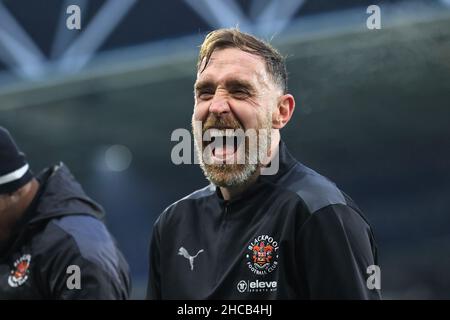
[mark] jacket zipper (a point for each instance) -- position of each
(223, 227)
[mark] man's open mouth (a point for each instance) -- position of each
(222, 144)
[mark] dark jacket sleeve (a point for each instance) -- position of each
(90, 254)
(335, 248)
(154, 279)
(95, 282)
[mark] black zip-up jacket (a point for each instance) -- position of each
(60, 238)
(293, 235)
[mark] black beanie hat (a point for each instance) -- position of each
(14, 169)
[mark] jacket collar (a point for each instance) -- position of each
(286, 162)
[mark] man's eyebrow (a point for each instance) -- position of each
(229, 84)
(203, 84)
(239, 83)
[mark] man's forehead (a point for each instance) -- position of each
(234, 55)
(236, 64)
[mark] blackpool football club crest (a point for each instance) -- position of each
(19, 274)
(262, 255)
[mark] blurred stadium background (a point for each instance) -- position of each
(373, 110)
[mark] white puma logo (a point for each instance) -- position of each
(183, 252)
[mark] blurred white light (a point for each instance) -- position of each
(118, 158)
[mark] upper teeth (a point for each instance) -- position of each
(214, 133)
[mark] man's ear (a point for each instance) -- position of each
(283, 113)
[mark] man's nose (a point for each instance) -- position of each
(219, 106)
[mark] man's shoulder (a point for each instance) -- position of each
(77, 226)
(182, 205)
(325, 203)
(84, 241)
(202, 193)
(315, 190)
(79, 237)
(87, 230)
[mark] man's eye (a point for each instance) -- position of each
(240, 94)
(205, 95)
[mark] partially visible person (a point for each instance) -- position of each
(53, 243)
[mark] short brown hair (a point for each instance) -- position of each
(233, 38)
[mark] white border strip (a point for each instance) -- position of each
(15, 175)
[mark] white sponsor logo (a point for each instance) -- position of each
(256, 286)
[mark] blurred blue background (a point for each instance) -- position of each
(372, 115)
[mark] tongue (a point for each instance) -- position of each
(223, 151)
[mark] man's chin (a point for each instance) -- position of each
(229, 176)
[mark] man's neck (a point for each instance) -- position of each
(230, 193)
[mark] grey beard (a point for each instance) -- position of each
(240, 175)
(234, 179)
(243, 172)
